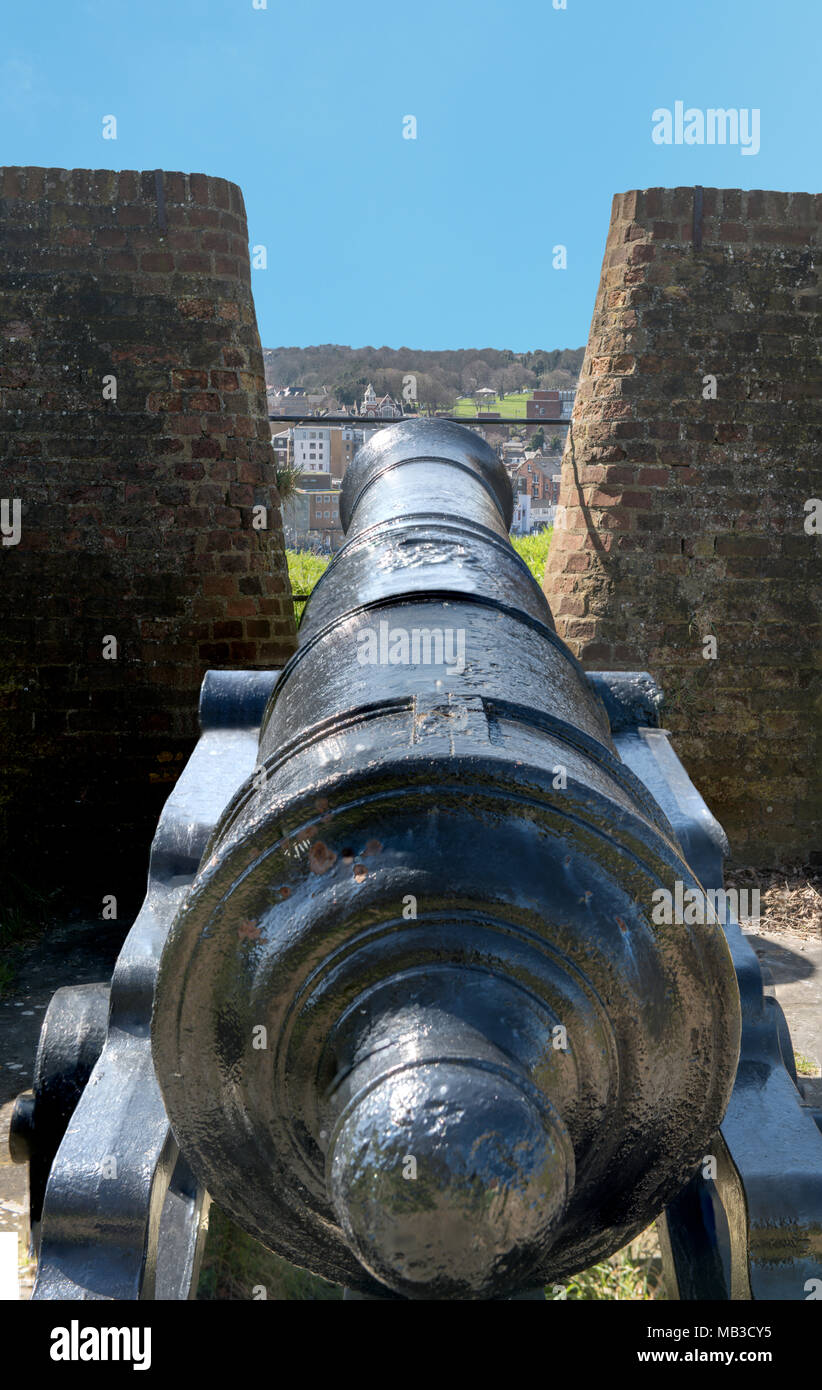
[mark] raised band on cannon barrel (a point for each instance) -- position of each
(414, 1025)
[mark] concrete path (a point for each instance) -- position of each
(795, 965)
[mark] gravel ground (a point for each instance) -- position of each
(790, 898)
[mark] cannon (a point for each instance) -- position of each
(400, 999)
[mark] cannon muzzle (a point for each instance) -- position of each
(442, 1145)
(416, 1027)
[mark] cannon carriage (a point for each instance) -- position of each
(397, 998)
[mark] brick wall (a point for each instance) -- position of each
(137, 513)
(685, 515)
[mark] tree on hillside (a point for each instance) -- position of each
(350, 391)
(474, 375)
(431, 393)
(346, 370)
(537, 439)
(508, 379)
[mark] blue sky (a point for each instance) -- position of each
(528, 118)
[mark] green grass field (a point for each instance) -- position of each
(534, 551)
(513, 405)
(305, 568)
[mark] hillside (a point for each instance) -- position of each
(343, 372)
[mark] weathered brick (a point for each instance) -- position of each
(157, 261)
(700, 529)
(120, 534)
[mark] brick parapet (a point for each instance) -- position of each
(138, 513)
(683, 517)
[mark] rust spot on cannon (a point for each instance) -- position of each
(321, 858)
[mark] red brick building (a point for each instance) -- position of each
(535, 476)
(546, 405)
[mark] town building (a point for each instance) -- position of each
(324, 517)
(533, 475)
(512, 452)
(295, 400)
(281, 444)
(311, 448)
(544, 405)
(543, 514)
(382, 408)
(550, 405)
(311, 516)
(345, 441)
(317, 448)
(521, 521)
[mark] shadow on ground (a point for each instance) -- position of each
(73, 953)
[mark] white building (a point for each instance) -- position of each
(318, 449)
(512, 452)
(281, 444)
(521, 524)
(543, 513)
(311, 448)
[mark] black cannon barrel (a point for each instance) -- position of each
(415, 1023)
